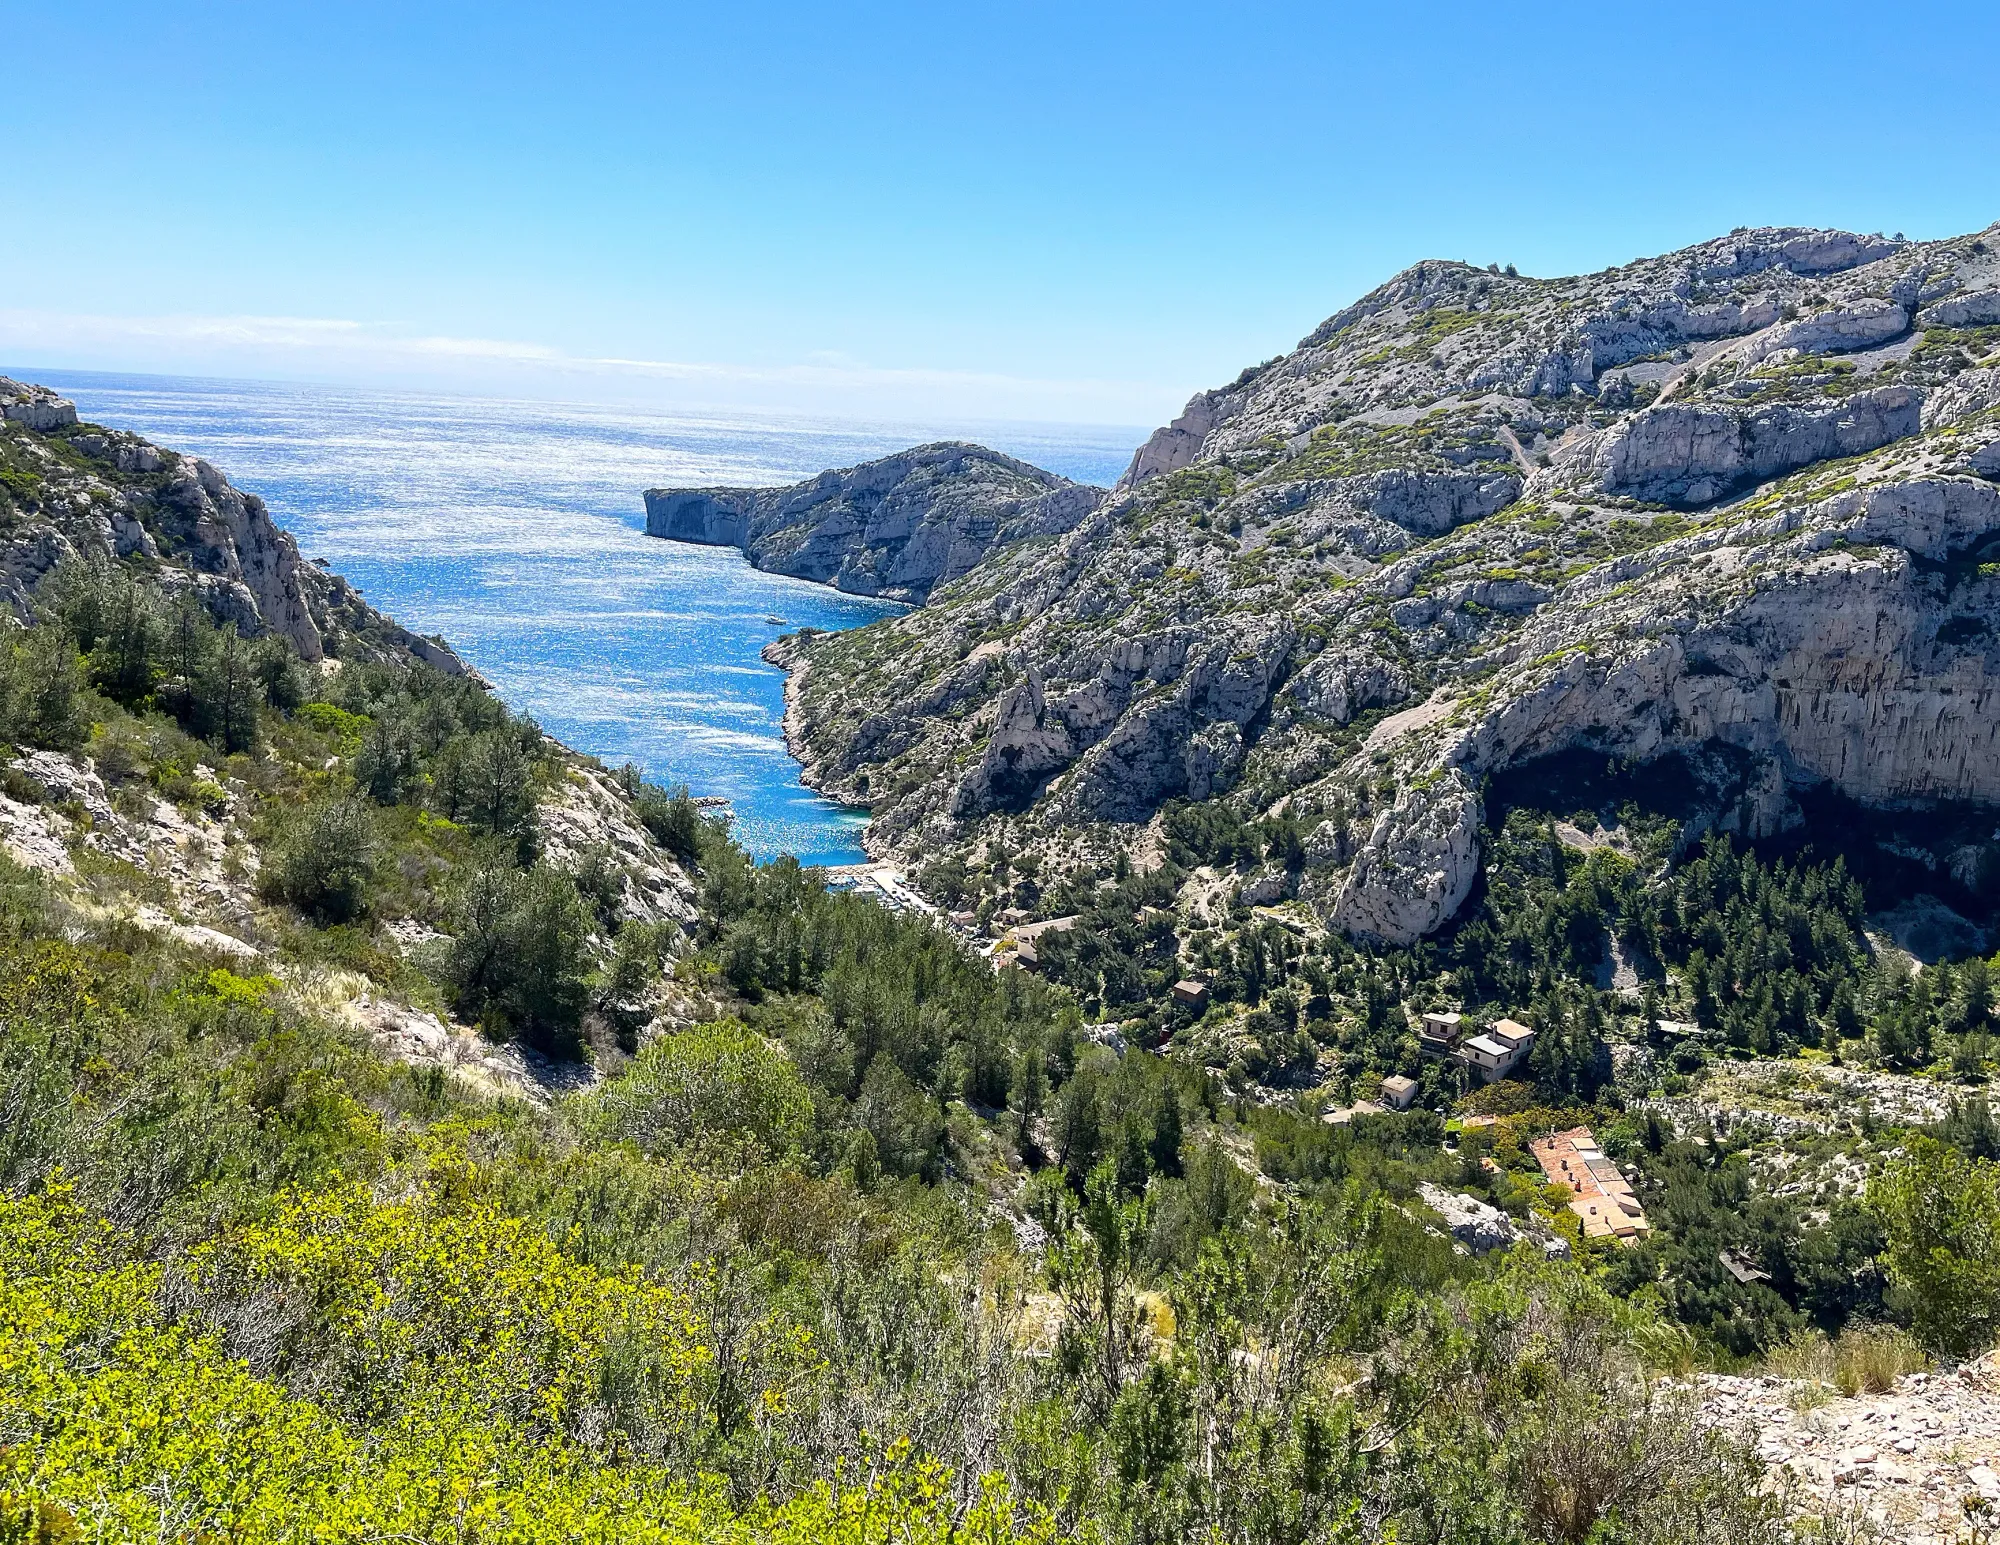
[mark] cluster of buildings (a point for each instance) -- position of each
(1599, 1194)
(1488, 1054)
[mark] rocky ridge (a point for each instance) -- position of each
(899, 527)
(62, 816)
(1740, 494)
(116, 849)
(70, 489)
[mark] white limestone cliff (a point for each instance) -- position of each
(1738, 496)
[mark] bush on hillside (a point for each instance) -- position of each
(519, 959)
(43, 698)
(1941, 1211)
(322, 864)
(719, 1085)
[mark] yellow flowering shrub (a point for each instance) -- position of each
(440, 1303)
(119, 1424)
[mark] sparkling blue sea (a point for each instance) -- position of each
(516, 529)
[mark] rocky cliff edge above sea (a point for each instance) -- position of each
(900, 527)
(73, 490)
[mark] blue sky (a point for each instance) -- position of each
(1077, 211)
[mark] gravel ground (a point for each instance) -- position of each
(1909, 1458)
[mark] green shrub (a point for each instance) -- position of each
(43, 700)
(1941, 1212)
(322, 863)
(519, 959)
(671, 815)
(486, 781)
(719, 1085)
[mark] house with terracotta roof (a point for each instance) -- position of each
(1600, 1196)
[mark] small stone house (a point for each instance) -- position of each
(1398, 1092)
(1496, 1052)
(1489, 1058)
(1191, 994)
(1437, 1035)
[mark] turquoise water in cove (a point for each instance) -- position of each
(516, 529)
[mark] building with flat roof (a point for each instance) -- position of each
(1398, 1092)
(1437, 1035)
(1489, 1055)
(1498, 1050)
(1489, 1058)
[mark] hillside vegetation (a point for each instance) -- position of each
(414, 1130)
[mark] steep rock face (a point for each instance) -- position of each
(70, 490)
(1739, 495)
(1846, 642)
(1170, 448)
(899, 527)
(1418, 864)
(35, 407)
(1689, 456)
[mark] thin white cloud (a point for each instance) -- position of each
(334, 344)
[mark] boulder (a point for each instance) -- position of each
(1476, 1225)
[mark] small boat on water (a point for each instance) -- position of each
(777, 622)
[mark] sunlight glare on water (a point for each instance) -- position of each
(516, 530)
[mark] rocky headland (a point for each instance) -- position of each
(1739, 496)
(900, 527)
(71, 490)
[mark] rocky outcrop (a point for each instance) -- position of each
(899, 527)
(1742, 496)
(228, 537)
(1170, 448)
(585, 816)
(77, 491)
(1418, 863)
(1864, 324)
(1691, 456)
(1981, 308)
(1478, 1226)
(34, 407)
(1836, 643)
